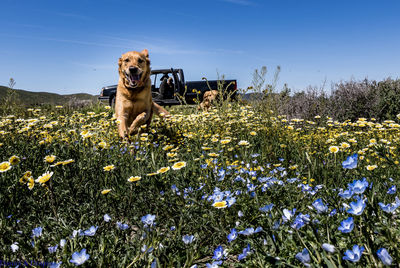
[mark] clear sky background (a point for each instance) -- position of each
(73, 46)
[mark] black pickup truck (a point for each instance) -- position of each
(169, 88)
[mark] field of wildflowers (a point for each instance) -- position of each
(227, 187)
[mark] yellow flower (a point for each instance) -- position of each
(243, 143)
(109, 167)
(371, 167)
(344, 145)
(44, 178)
(25, 177)
(66, 162)
(293, 167)
(133, 179)
(213, 155)
(106, 191)
(167, 147)
(179, 165)
(102, 144)
(253, 133)
(172, 154)
(334, 149)
(214, 139)
(31, 183)
(14, 160)
(50, 158)
(221, 204)
(4, 166)
(225, 141)
(163, 170)
(56, 164)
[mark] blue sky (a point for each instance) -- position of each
(73, 46)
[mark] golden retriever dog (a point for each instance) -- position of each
(134, 105)
(208, 98)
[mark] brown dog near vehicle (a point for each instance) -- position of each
(134, 105)
(208, 98)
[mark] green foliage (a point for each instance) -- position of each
(249, 156)
(388, 99)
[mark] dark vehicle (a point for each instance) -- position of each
(168, 87)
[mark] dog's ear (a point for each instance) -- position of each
(145, 52)
(119, 65)
(120, 62)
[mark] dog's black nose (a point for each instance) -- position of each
(133, 70)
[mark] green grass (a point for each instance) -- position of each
(248, 158)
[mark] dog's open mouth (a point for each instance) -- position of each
(133, 79)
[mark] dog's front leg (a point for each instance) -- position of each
(122, 127)
(139, 120)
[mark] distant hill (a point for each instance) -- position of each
(30, 98)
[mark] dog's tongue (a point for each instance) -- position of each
(135, 78)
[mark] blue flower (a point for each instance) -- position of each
(320, 206)
(91, 231)
(79, 258)
(246, 251)
(230, 201)
(250, 231)
(122, 226)
(55, 264)
(218, 253)
(53, 249)
(300, 220)
(144, 249)
(267, 208)
(347, 225)
(232, 235)
(287, 214)
(214, 264)
(333, 212)
(148, 220)
(350, 162)
(384, 256)
(358, 186)
(354, 255)
(392, 190)
(106, 218)
(63, 242)
(328, 247)
(304, 257)
(187, 239)
(390, 208)
(357, 208)
(37, 232)
(348, 193)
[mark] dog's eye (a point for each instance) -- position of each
(140, 60)
(126, 60)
